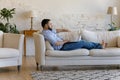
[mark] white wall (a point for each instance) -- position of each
(90, 14)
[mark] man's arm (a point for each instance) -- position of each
(62, 30)
(61, 42)
(51, 39)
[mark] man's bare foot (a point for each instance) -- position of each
(103, 44)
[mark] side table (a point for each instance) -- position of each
(28, 33)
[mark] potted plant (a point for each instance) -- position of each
(113, 27)
(6, 15)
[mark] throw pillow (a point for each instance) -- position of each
(110, 37)
(48, 46)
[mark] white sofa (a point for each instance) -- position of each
(45, 55)
(11, 49)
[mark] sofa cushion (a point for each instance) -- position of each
(107, 52)
(110, 37)
(48, 46)
(1, 38)
(8, 53)
(70, 36)
(78, 52)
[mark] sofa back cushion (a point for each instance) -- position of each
(71, 36)
(118, 41)
(1, 38)
(11, 40)
(48, 46)
(110, 37)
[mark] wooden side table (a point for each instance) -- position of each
(28, 33)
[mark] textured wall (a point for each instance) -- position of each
(89, 14)
(68, 13)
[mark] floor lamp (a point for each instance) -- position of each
(32, 15)
(112, 11)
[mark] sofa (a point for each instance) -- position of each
(45, 55)
(11, 49)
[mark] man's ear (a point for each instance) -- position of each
(46, 26)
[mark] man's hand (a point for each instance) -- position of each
(65, 41)
(61, 42)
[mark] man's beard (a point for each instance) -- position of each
(50, 28)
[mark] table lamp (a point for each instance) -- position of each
(32, 15)
(112, 11)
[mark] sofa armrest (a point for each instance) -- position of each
(118, 41)
(40, 48)
(15, 41)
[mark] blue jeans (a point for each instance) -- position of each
(80, 44)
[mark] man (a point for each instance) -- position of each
(60, 44)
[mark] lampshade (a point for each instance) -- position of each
(32, 14)
(112, 10)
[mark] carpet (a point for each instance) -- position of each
(77, 75)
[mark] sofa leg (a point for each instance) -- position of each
(18, 68)
(41, 68)
(37, 66)
(118, 67)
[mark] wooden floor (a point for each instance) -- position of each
(11, 73)
(29, 65)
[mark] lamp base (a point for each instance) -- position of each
(31, 23)
(31, 28)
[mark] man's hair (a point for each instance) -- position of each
(44, 21)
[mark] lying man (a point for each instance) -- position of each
(60, 44)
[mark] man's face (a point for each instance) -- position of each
(50, 25)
